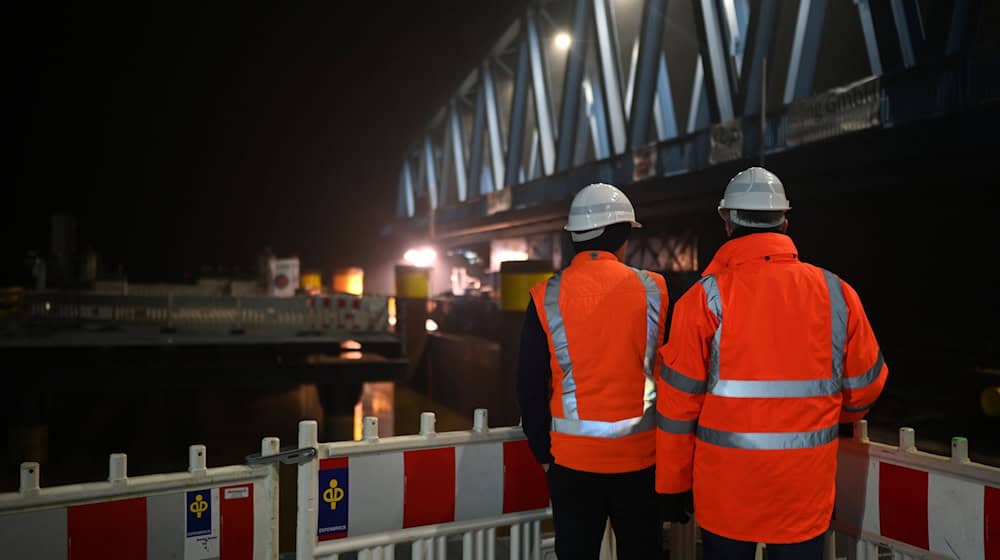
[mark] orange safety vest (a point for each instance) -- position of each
(766, 356)
(604, 322)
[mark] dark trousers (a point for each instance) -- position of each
(582, 502)
(717, 547)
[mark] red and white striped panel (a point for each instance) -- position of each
(161, 527)
(401, 489)
(931, 511)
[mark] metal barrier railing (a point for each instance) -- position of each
(303, 314)
(913, 504)
(371, 495)
(478, 494)
(229, 512)
(426, 491)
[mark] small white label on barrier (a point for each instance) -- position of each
(237, 493)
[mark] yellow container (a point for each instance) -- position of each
(349, 280)
(311, 281)
(517, 278)
(413, 282)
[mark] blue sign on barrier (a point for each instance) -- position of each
(333, 493)
(199, 513)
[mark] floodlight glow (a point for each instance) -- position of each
(563, 40)
(420, 257)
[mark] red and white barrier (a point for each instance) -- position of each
(915, 503)
(372, 494)
(225, 513)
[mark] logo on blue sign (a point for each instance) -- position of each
(199, 513)
(333, 493)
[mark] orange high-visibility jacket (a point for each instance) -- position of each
(604, 322)
(766, 356)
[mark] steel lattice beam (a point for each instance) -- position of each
(646, 71)
(492, 122)
(871, 38)
(519, 103)
(475, 185)
(607, 54)
(760, 40)
(540, 87)
(576, 58)
(719, 71)
(663, 110)
(805, 49)
(454, 134)
(431, 169)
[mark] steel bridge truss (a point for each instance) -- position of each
(578, 81)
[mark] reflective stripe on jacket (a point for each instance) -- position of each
(604, 322)
(766, 356)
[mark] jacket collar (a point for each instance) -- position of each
(587, 256)
(762, 247)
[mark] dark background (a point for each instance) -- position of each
(189, 135)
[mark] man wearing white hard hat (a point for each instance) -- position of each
(767, 355)
(586, 383)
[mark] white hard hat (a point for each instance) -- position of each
(596, 206)
(755, 188)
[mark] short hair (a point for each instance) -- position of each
(611, 240)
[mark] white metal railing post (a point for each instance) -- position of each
(907, 440)
(29, 478)
(480, 421)
(271, 446)
(959, 450)
(491, 543)
(536, 540)
(427, 421)
(118, 468)
(861, 432)
(197, 459)
(370, 429)
(305, 537)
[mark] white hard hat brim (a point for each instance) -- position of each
(634, 224)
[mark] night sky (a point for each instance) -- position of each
(184, 136)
